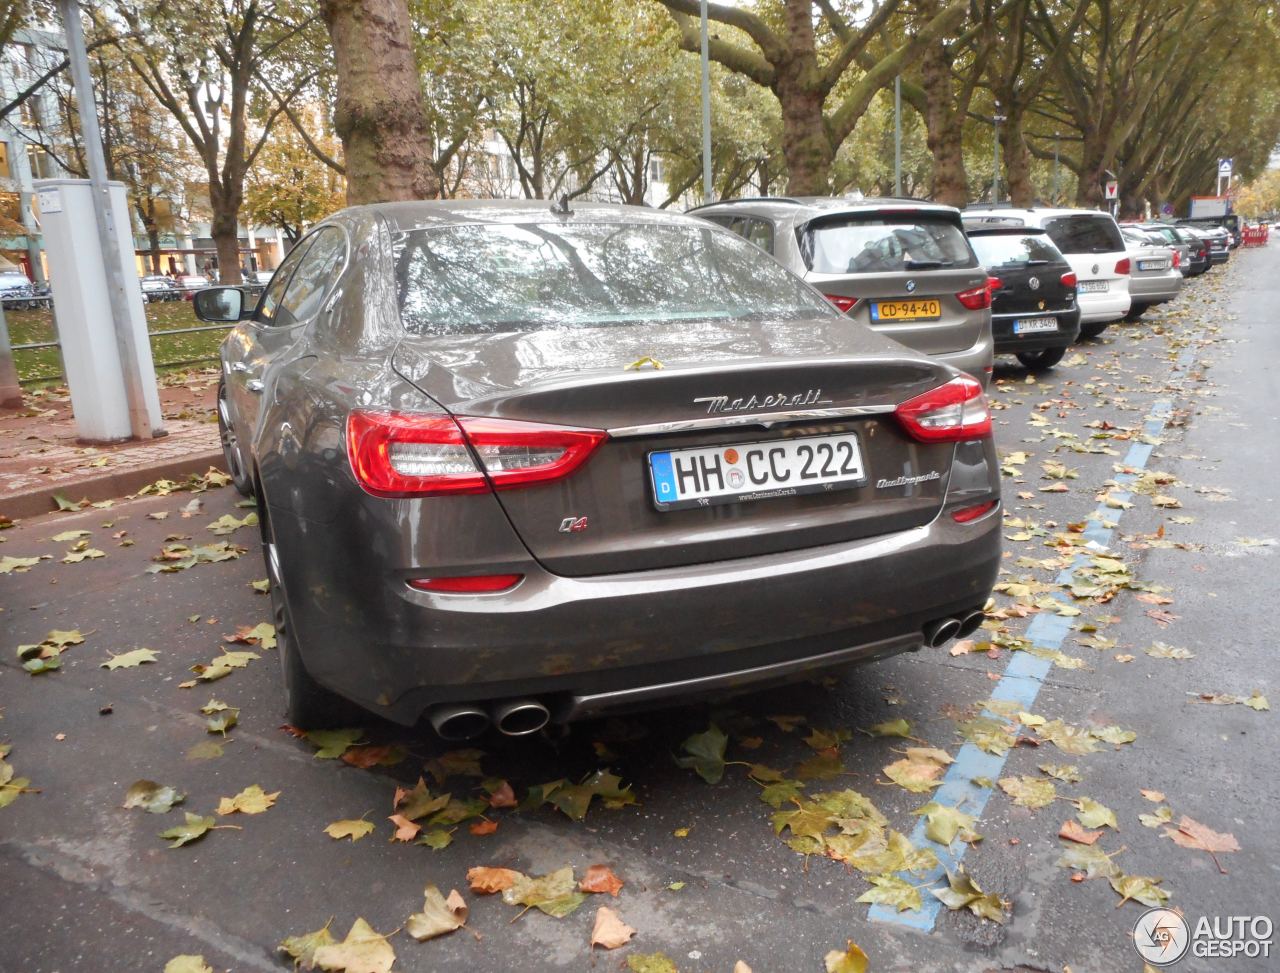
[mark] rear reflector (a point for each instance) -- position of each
(976, 298)
(1122, 266)
(468, 584)
(406, 454)
(1068, 280)
(950, 413)
(966, 514)
(843, 304)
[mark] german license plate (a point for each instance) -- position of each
(927, 310)
(755, 471)
(1091, 286)
(1153, 265)
(1034, 325)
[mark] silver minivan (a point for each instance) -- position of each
(901, 266)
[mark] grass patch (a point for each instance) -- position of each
(42, 364)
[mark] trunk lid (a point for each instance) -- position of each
(718, 379)
(1017, 295)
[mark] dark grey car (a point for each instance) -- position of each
(903, 267)
(515, 465)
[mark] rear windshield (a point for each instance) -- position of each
(1005, 249)
(1085, 233)
(490, 278)
(884, 243)
(1166, 233)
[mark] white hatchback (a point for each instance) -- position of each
(1092, 243)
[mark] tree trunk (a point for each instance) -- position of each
(944, 129)
(381, 112)
(1017, 161)
(805, 146)
(153, 239)
(1090, 191)
(226, 239)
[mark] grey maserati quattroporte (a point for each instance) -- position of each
(518, 462)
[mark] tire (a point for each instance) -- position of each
(307, 704)
(1137, 311)
(1037, 361)
(1093, 330)
(232, 454)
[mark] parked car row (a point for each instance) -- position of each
(541, 439)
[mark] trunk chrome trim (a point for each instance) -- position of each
(765, 420)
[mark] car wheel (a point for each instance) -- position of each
(1136, 312)
(307, 704)
(1093, 330)
(232, 455)
(1039, 360)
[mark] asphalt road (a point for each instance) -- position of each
(86, 885)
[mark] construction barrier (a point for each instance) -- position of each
(1255, 236)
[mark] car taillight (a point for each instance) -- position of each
(950, 413)
(405, 454)
(843, 304)
(1177, 260)
(994, 284)
(468, 584)
(1068, 280)
(1122, 266)
(976, 298)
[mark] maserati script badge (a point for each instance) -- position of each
(717, 404)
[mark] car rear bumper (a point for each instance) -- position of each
(1110, 305)
(1219, 256)
(586, 644)
(1155, 288)
(1008, 343)
(976, 360)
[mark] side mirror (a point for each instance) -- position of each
(219, 305)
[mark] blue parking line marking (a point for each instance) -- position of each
(1021, 683)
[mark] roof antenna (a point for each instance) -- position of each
(561, 207)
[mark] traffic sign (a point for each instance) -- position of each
(1224, 168)
(1113, 189)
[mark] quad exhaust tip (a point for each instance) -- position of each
(970, 623)
(458, 722)
(519, 717)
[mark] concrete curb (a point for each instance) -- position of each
(106, 485)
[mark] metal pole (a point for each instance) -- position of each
(897, 135)
(10, 390)
(997, 118)
(1055, 167)
(706, 110)
(139, 421)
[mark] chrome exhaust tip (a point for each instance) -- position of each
(940, 632)
(970, 623)
(458, 721)
(520, 717)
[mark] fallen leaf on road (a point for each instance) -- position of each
(251, 800)
(920, 771)
(19, 565)
(302, 948)
(483, 827)
(1139, 888)
(187, 964)
(1155, 797)
(69, 535)
(705, 754)
(600, 878)
(852, 960)
(438, 916)
(1159, 650)
(554, 893)
(353, 828)
(194, 827)
(152, 797)
(1068, 738)
(501, 795)
(892, 890)
(1192, 834)
(963, 892)
(1254, 701)
(1092, 861)
(1029, 792)
(329, 744)
(387, 755)
(363, 951)
(1073, 832)
(437, 839)
(486, 881)
(944, 823)
(129, 660)
(609, 930)
(1069, 773)
(651, 963)
(1162, 816)
(1094, 815)
(406, 830)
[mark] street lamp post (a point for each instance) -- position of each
(706, 109)
(997, 118)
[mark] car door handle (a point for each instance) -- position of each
(254, 385)
(239, 366)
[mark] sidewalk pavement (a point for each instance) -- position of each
(40, 455)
